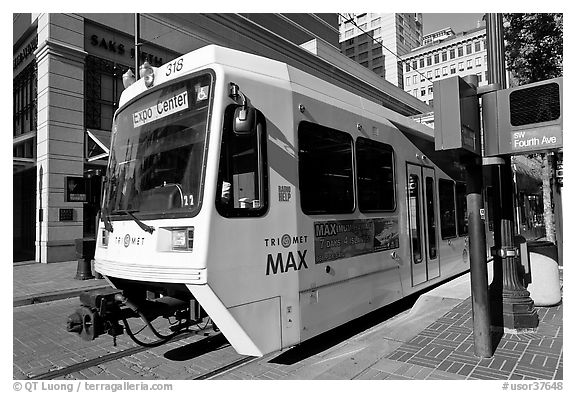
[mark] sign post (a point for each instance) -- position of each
(457, 126)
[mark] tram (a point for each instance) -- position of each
(275, 203)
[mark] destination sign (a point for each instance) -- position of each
(536, 139)
(163, 108)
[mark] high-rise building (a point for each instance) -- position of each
(376, 41)
(461, 54)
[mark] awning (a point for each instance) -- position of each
(97, 145)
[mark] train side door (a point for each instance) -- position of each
(422, 223)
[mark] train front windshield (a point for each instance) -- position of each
(158, 152)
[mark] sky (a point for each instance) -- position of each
(458, 22)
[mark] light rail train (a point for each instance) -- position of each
(276, 203)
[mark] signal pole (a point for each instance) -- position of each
(137, 45)
(511, 306)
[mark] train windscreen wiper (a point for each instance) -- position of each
(147, 228)
(107, 223)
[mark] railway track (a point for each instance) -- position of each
(211, 338)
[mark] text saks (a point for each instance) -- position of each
(281, 263)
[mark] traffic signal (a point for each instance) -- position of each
(523, 119)
(456, 116)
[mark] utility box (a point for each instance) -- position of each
(456, 116)
(524, 119)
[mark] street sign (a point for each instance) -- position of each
(524, 119)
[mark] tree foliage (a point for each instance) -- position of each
(534, 46)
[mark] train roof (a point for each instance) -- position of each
(299, 80)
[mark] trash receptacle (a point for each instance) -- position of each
(544, 287)
(85, 249)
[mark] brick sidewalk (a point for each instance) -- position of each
(35, 282)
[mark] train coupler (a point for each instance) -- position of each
(99, 313)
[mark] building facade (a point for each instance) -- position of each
(375, 41)
(462, 54)
(67, 80)
(438, 36)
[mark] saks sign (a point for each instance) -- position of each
(117, 47)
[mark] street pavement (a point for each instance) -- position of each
(433, 340)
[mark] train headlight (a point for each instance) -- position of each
(183, 238)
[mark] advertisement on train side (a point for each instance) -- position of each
(344, 239)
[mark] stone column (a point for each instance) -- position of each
(60, 134)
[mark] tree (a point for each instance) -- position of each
(534, 46)
(534, 52)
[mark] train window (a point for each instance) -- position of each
(414, 215)
(375, 172)
(325, 168)
(462, 212)
(447, 208)
(242, 189)
(430, 218)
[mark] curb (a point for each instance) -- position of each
(51, 296)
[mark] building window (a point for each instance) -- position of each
(375, 22)
(362, 56)
(361, 18)
(468, 48)
(444, 56)
(422, 92)
(326, 170)
(422, 78)
(24, 95)
(477, 46)
(376, 32)
(362, 47)
(364, 64)
(350, 52)
(461, 66)
(377, 60)
(452, 53)
(430, 89)
(415, 92)
(415, 64)
(452, 68)
(486, 75)
(378, 70)
(460, 51)
(486, 59)
(478, 61)
(437, 73)
(377, 51)
(444, 71)
(436, 58)
(479, 75)
(102, 88)
(429, 60)
(407, 66)
(469, 64)
(375, 176)
(407, 81)
(349, 33)
(429, 74)
(422, 63)
(415, 79)
(431, 103)
(363, 27)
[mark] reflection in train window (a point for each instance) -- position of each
(447, 208)
(462, 211)
(375, 171)
(430, 218)
(325, 170)
(414, 217)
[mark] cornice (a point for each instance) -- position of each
(59, 49)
